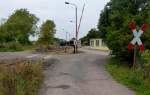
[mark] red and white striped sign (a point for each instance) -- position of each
(137, 36)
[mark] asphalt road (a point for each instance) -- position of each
(81, 74)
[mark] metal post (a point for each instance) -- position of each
(76, 47)
(66, 38)
(69, 39)
(76, 17)
(81, 18)
(66, 42)
(134, 59)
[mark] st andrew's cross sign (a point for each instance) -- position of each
(137, 35)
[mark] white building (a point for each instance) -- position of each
(98, 44)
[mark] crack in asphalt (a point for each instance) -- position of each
(63, 86)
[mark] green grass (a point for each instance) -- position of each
(23, 78)
(10, 50)
(22, 48)
(124, 75)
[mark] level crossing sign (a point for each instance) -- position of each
(137, 35)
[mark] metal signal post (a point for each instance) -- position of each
(132, 45)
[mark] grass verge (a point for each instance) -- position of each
(22, 78)
(16, 48)
(10, 50)
(124, 75)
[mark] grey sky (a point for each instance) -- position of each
(57, 11)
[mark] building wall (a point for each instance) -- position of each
(96, 43)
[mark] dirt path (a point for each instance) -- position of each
(81, 74)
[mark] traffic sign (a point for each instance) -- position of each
(137, 35)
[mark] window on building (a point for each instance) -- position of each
(92, 43)
(97, 43)
(103, 43)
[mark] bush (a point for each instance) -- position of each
(11, 46)
(146, 57)
(126, 76)
(14, 46)
(114, 25)
(23, 78)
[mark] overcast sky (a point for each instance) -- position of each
(60, 13)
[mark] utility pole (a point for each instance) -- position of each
(66, 37)
(77, 27)
(76, 17)
(76, 44)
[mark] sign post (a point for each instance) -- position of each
(132, 45)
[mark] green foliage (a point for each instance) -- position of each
(47, 32)
(93, 33)
(15, 31)
(10, 46)
(126, 76)
(114, 21)
(18, 27)
(85, 41)
(14, 47)
(146, 57)
(20, 79)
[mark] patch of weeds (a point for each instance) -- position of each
(125, 75)
(22, 78)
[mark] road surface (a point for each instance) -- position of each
(81, 74)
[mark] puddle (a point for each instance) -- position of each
(61, 86)
(63, 73)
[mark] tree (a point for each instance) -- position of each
(4, 35)
(114, 21)
(93, 33)
(19, 26)
(47, 32)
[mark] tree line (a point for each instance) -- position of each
(20, 25)
(93, 33)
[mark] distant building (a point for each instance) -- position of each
(98, 44)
